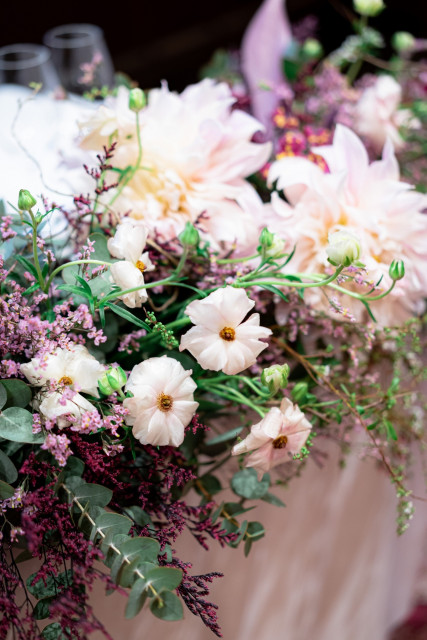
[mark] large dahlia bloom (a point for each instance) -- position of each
(197, 152)
(370, 201)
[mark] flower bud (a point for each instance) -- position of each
(299, 392)
(343, 248)
(26, 201)
(136, 100)
(369, 8)
(397, 270)
(275, 377)
(312, 49)
(266, 239)
(112, 380)
(190, 237)
(403, 41)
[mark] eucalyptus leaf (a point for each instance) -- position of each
(95, 494)
(41, 610)
(110, 524)
(18, 393)
(16, 424)
(128, 574)
(6, 491)
(168, 608)
(145, 549)
(164, 578)
(136, 599)
(8, 470)
(51, 586)
(138, 515)
(246, 484)
(54, 632)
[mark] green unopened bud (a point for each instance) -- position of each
(369, 8)
(312, 49)
(26, 201)
(190, 237)
(112, 380)
(299, 392)
(397, 270)
(343, 248)
(403, 41)
(266, 239)
(275, 377)
(137, 100)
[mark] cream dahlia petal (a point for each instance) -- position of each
(129, 241)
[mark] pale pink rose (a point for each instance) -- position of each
(197, 152)
(279, 436)
(221, 341)
(365, 199)
(128, 243)
(163, 401)
(378, 116)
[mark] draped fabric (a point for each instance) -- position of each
(330, 566)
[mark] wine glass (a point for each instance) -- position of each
(80, 56)
(22, 64)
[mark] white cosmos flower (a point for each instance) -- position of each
(273, 441)
(73, 367)
(128, 245)
(221, 340)
(163, 402)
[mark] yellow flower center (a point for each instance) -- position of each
(228, 334)
(164, 402)
(141, 266)
(65, 380)
(280, 442)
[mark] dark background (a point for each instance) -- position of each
(151, 41)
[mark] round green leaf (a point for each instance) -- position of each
(8, 470)
(137, 597)
(164, 578)
(6, 491)
(16, 424)
(53, 632)
(18, 393)
(167, 607)
(246, 484)
(95, 494)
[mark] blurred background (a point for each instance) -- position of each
(151, 41)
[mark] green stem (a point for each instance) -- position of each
(35, 253)
(134, 168)
(150, 285)
(234, 395)
(71, 264)
(294, 285)
(237, 260)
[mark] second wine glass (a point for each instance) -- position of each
(80, 56)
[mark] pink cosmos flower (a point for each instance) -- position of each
(197, 152)
(128, 244)
(378, 116)
(273, 441)
(221, 341)
(365, 199)
(163, 402)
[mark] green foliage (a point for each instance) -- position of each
(54, 632)
(245, 483)
(18, 393)
(8, 470)
(6, 491)
(52, 586)
(3, 396)
(16, 424)
(169, 607)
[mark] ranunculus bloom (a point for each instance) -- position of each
(73, 367)
(128, 245)
(163, 402)
(221, 341)
(377, 113)
(274, 440)
(366, 199)
(197, 152)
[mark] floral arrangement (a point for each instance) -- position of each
(244, 279)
